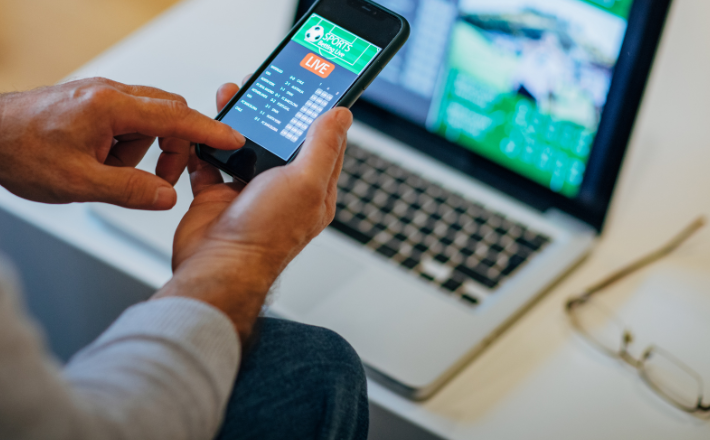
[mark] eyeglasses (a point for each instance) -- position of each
(664, 373)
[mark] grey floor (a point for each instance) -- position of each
(75, 297)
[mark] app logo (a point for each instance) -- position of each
(314, 34)
(317, 65)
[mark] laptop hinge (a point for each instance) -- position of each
(568, 222)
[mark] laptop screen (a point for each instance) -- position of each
(520, 82)
(537, 98)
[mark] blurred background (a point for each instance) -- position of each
(42, 41)
(664, 184)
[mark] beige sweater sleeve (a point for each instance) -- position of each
(163, 370)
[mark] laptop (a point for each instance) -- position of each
(479, 171)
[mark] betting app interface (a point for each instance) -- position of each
(307, 78)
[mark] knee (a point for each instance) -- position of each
(337, 360)
(299, 381)
(334, 377)
(321, 355)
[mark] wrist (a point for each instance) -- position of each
(3, 129)
(236, 283)
(4, 104)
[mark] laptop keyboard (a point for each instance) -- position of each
(455, 244)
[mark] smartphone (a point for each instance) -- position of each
(328, 59)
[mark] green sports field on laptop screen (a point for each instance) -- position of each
(520, 82)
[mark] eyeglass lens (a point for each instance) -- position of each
(600, 326)
(673, 379)
(668, 376)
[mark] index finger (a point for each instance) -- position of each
(325, 142)
(144, 91)
(173, 119)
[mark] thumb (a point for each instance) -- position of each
(132, 188)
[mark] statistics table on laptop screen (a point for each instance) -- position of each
(520, 82)
(307, 78)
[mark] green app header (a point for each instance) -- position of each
(621, 8)
(334, 43)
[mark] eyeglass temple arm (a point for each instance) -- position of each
(648, 259)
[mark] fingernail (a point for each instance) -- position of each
(165, 198)
(345, 117)
(240, 137)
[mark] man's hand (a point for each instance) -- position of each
(235, 240)
(80, 142)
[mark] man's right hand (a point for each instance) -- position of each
(235, 240)
(81, 141)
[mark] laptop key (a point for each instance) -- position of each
(426, 276)
(421, 247)
(351, 232)
(501, 230)
(410, 263)
(467, 252)
(452, 285)
(514, 263)
(387, 251)
(472, 300)
(379, 227)
(476, 276)
(400, 237)
(435, 269)
(539, 241)
(488, 262)
(446, 241)
(497, 248)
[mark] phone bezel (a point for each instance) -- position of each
(362, 17)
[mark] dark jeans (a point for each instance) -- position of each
(297, 382)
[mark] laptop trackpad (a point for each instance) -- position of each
(319, 271)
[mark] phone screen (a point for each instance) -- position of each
(307, 78)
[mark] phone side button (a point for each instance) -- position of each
(374, 77)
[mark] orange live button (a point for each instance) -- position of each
(317, 65)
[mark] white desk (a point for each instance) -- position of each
(538, 380)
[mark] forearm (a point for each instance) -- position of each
(4, 99)
(5, 116)
(18, 168)
(164, 370)
(234, 282)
